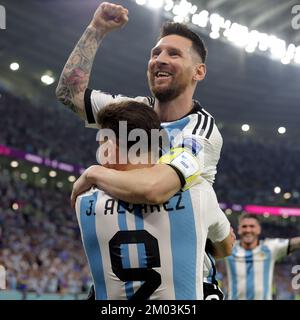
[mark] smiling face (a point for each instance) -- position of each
(249, 230)
(172, 68)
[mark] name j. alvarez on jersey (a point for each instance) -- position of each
(112, 206)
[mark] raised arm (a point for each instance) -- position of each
(76, 73)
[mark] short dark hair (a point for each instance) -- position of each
(182, 30)
(137, 114)
(249, 216)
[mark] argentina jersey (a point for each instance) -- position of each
(198, 130)
(144, 251)
(250, 272)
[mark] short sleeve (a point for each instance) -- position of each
(279, 247)
(95, 100)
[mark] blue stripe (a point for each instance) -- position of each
(183, 246)
(266, 272)
(211, 270)
(233, 273)
(178, 125)
(125, 249)
(250, 275)
(91, 245)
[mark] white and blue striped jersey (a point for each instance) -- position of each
(149, 251)
(198, 129)
(250, 272)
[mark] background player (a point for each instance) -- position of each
(250, 267)
(162, 246)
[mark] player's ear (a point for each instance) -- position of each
(112, 151)
(200, 72)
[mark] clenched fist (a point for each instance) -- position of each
(109, 16)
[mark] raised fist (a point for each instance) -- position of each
(109, 16)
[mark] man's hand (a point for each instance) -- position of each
(108, 17)
(81, 185)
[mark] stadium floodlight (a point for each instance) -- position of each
(44, 181)
(287, 195)
(23, 176)
(277, 47)
(214, 34)
(182, 9)
(35, 169)
(59, 184)
(194, 9)
(297, 55)
(155, 4)
(281, 130)
(47, 79)
(249, 49)
(14, 66)
(71, 178)
(285, 60)
(201, 19)
(245, 127)
(238, 34)
(15, 206)
(263, 42)
(52, 174)
(277, 190)
(178, 19)
(169, 5)
(228, 211)
(141, 2)
(14, 164)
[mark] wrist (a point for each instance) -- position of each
(93, 174)
(99, 31)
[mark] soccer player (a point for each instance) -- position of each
(147, 251)
(250, 267)
(176, 65)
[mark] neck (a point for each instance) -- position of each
(249, 246)
(145, 160)
(174, 109)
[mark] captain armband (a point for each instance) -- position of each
(186, 163)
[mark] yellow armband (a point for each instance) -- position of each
(186, 163)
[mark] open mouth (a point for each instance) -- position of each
(162, 74)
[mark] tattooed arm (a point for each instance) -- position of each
(76, 73)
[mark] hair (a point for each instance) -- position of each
(248, 216)
(137, 115)
(182, 30)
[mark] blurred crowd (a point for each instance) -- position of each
(249, 171)
(40, 242)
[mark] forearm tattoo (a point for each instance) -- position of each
(76, 73)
